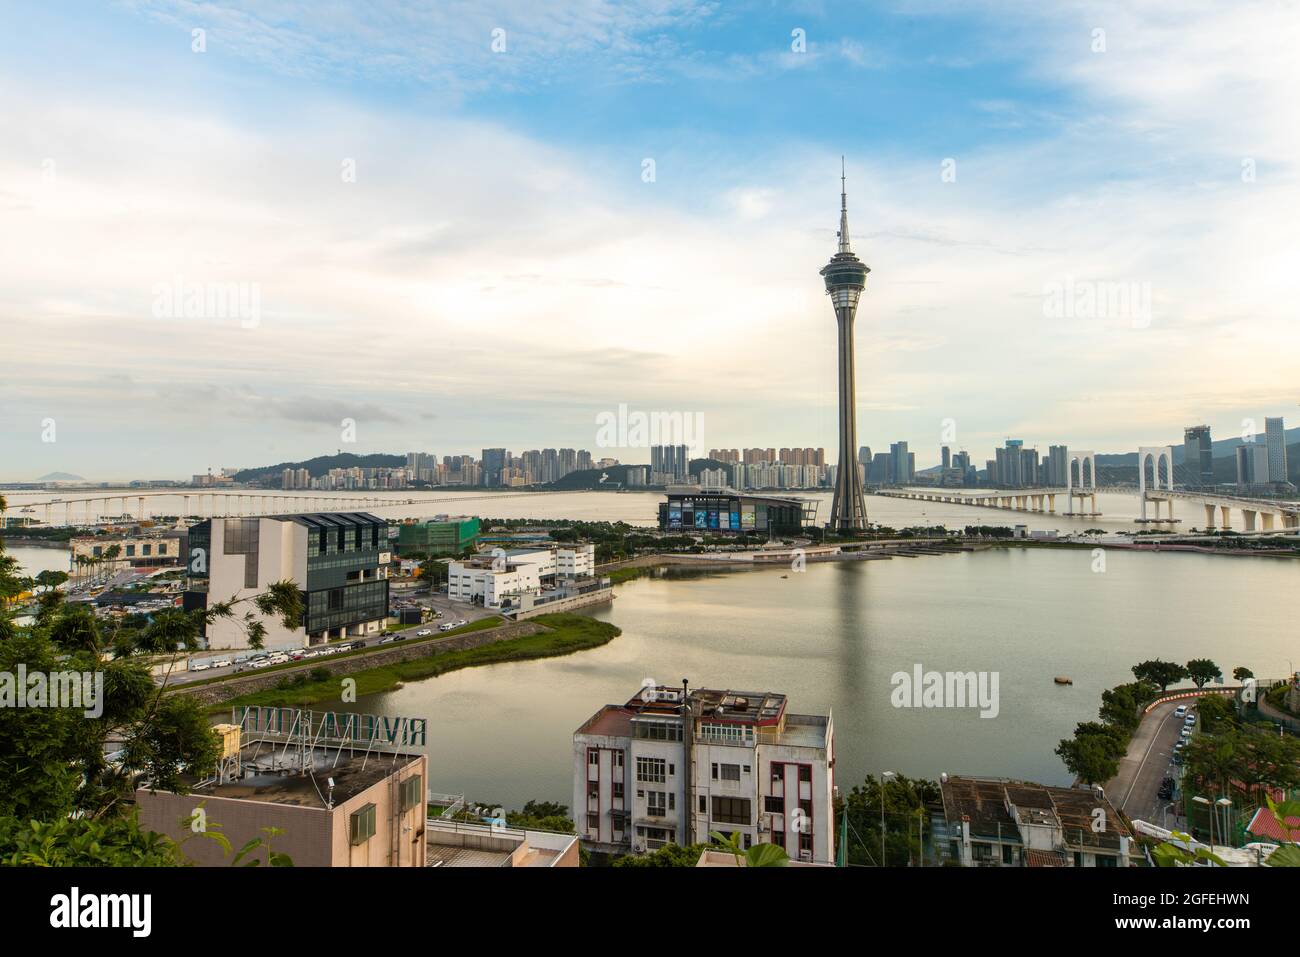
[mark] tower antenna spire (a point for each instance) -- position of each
(844, 212)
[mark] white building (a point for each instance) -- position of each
(338, 560)
(674, 765)
(491, 578)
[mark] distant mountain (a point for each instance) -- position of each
(270, 474)
(60, 477)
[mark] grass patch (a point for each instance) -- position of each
(565, 633)
(621, 575)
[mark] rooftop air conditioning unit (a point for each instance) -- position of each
(805, 857)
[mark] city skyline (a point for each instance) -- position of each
(396, 301)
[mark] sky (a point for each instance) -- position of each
(396, 226)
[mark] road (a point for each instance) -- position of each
(1150, 759)
(450, 610)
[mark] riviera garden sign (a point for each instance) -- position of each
(331, 727)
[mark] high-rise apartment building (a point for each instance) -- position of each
(1058, 466)
(1252, 464)
(1198, 457)
(1275, 442)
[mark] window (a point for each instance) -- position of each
(652, 770)
(730, 772)
(659, 730)
(656, 804)
(593, 756)
(362, 824)
(774, 805)
(704, 804)
(618, 759)
(778, 838)
(746, 769)
(731, 810)
(805, 841)
(593, 822)
(593, 790)
(805, 773)
(618, 789)
(411, 792)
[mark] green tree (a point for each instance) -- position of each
(903, 797)
(1088, 758)
(670, 855)
(49, 579)
(1240, 673)
(84, 842)
(1202, 671)
(10, 579)
(1162, 674)
(1216, 712)
(1122, 705)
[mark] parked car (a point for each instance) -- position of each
(423, 633)
(221, 663)
(1189, 720)
(447, 627)
(1180, 710)
(357, 644)
(1186, 732)
(199, 666)
(387, 640)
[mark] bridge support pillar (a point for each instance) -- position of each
(1248, 515)
(1225, 516)
(1209, 517)
(1290, 520)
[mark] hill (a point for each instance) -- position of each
(270, 474)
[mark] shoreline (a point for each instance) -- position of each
(555, 636)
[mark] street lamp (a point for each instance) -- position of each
(1224, 803)
(884, 776)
